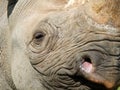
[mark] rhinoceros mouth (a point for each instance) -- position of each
(88, 72)
(91, 85)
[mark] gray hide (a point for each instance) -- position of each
(59, 44)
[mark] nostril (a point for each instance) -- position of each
(86, 59)
(86, 64)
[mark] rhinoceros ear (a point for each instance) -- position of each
(19, 9)
(11, 5)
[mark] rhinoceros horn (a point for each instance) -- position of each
(104, 11)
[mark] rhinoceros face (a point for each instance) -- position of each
(64, 50)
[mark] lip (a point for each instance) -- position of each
(92, 76)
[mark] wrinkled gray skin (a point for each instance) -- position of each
(43, 44)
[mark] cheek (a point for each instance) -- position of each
(21, 69)
(23, 75)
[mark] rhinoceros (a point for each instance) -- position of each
(59, 44)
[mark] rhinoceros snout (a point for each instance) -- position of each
(93, 68)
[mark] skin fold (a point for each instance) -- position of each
(59, 44)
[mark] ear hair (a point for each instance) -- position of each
(11, 5)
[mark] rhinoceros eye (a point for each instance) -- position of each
(38, 37)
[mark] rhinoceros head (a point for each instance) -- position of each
(65, 44)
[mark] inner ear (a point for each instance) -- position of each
(11, 5)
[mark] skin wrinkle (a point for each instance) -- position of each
(52, 39)
(67, 40)
(98, 40)
(85, 44)
(49, 37)
(51, 68)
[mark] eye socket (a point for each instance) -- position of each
(38, 37)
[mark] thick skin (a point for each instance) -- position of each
(60, 45)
